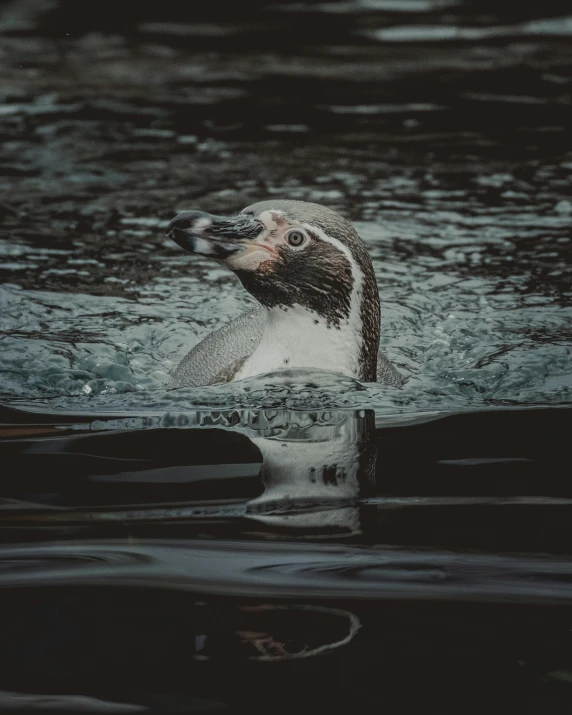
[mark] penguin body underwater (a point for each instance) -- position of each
(313, 278)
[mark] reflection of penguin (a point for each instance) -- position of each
(317, 468)
(314, 472)
(313, 277)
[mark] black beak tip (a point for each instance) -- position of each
(180, 237)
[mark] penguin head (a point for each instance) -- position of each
(290, 253)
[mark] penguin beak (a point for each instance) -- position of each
(218, 237)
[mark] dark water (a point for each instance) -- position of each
(303, 559)
(294, 542)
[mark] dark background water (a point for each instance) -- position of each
(186, 551)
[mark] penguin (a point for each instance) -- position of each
(313, 279)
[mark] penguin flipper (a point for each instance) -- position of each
(215, 357)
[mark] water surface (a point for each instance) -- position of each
(297, 541)
(442, 132)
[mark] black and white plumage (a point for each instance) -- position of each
(313, 278)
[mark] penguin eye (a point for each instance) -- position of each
(295, 238)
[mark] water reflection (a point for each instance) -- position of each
(315, 473)
(317, 468)
(165, 563)
(446, 482)
(216, 601)
(226, 499)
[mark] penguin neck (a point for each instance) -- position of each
(296, 337)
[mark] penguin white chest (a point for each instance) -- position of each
(298, 338)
